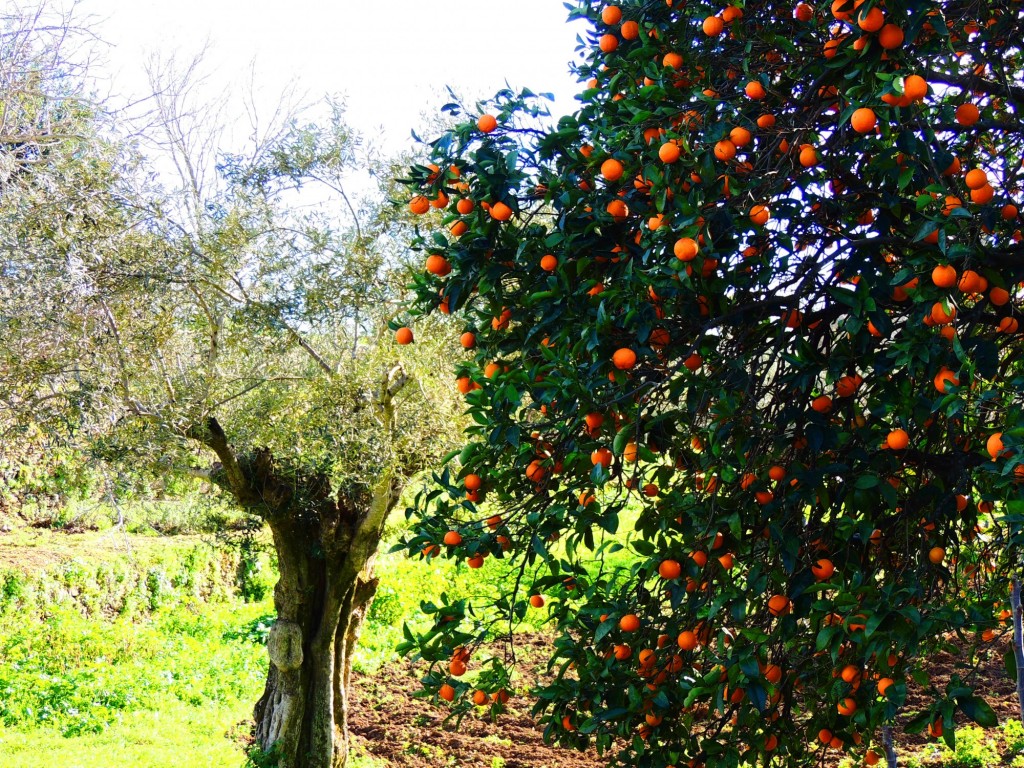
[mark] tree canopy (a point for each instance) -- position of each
(761, 296)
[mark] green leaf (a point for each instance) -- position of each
(978, 710)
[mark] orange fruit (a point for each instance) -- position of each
(967, 114)
(822, 404)
(776, 473)
(755, 90)
(725, 150)
(468, 340)
(778, 605)
(624, 359)
(537, 601)
(687, 640)
(601, 456)
(630, 30)
(629, 623)
(863, 120)
(944, 276)
(998, 296)
(823, 569)
(453, 538)
(608, 43)
(549, 263)
(883, 685)
(944, 378)
(612, 169)
(766, 121)
(419, 204)
(670, 569)
(994, 445)
(759, 215)
(611, 15)
(871, 20)
(500, 211)
(472, 482)
(685, 249)
(847, 706)
(976, 178)
(403, 335)
(669, 152)
(915, 87)
(936, 555)
(487, 123)
(808, 156)
(898, 439)
(803, 12)
(480, 698)
(713, 25)
(457, 668)
(890, 37)
(446, 692)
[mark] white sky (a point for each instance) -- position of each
(390, 58)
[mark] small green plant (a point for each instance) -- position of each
(497, 762)
(1013, 735)
(973, 750)
(258, 758)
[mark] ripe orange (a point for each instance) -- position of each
(915, 87)
(936, 555)
(778, 605)
(670, 569)
(687, 640)
(624, 358)
(871, 757)
(487, 123)
(759, 215)
(898, 439)
(967, 114)
(468, 340)
(630, 30)
(669, 152)
(537, 601)
(500, 211)
(890, 37)
(766, 121)
(457, 668)
(884, 684)
(713, 25)
(685, 249)
(612, 169)
(998, 296)
(725, 150)
(403, 335)
(808, 156)
(549, 263)
(994, 445)
(608, 43)
(823, 569)
(480, 698)
(822, 404)
(871, 20)
(864, 120)
(672, 60)
(438, 265)
(419, 204)
(453, 538)
(803, 12)
(611, 15)
(446, 692)
(601, 456)
(944, 276)
(755, 90)
(944, 378)
(976, 178)
(629, 623)
(472, 482)
(847, 706)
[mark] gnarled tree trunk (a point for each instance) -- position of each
(325, 587)
(326, 545)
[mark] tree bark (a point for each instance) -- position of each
(326, 585)
(1018, 642)
(887, 745)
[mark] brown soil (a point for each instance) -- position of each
(400, 730)
(397, 729)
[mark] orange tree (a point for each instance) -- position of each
(766, 284)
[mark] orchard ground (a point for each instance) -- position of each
(122, 648)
